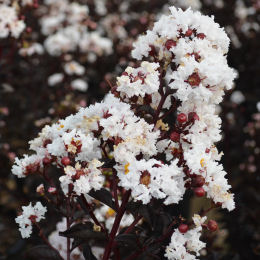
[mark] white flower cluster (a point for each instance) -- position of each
(9, 21)
(152, 159)
(147, 76)
(75, 137)
(31, 214)
(196, 45)
(151, 178)
(65, 25)
(184, 244)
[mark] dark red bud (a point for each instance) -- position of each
(183, 228)
(188, 33)
(199, 192)
(65, 161)
(198, 181)
(201, 36)
(192, 116)
(169, 44)
(175, 137)
(46, 160)
(212, 225)
(182, 118)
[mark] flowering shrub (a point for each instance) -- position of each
(113, 168)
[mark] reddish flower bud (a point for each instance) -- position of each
(46, 142)
(28, 29)
(192, 116)
(183, 228)
(188, 33)
(212, 225)
(147, 99)
(175, 137)
(46, 160)
(182, 118)
(169, 44)
(199, 192)
(201, 36)
(152, 51)
(33, 218)
(65, 161)
(198, 181)
(124, 73)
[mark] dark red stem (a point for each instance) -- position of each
(92, 215)
(116, 225)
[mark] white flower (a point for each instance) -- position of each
(151, 178)
(79, 84)
(35, 48)
(237, 97)
(74, 67)
(27, 165)
(30, 215)
(182, 245)
(83, 179)
(55, 79)
(9, 22)
(140, 81)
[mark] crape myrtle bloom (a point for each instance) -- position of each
(79, 138)
(194, 46)
(184, 244)
(9, 21)
(147, 179)
(153, 136)
(31, 214)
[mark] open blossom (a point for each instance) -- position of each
(73, 67)
(151, 178)
(183, 244)
(147, 76)
(9, 22)
(83, 179)
(65, 28)
(79, 84)
(30, 215)
(27, 165)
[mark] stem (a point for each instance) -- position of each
(115, 189)
(137, 219)
(158, 110)
(91, 214)
(168, 112)
(68, 226)
(116, 225)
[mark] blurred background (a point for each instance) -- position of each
(68, 56)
